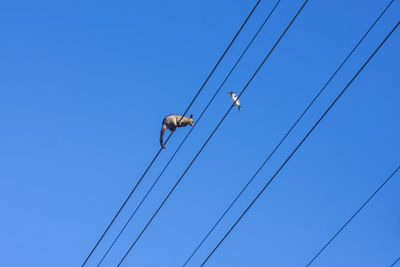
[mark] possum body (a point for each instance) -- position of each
(172, 122)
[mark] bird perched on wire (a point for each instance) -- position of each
(235, 100)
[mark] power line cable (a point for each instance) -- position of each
(298, 146)
(191, 129)
(286, 135)
(394, 263)
(159, 151)
(208, 139)
(351, 218)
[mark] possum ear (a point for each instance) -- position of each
(191, 116)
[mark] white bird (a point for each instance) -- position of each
(235, 99)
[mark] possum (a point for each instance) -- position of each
(171, 122)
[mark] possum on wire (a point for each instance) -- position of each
(171, 122)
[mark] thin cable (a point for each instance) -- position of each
(394, 263)
(298, 146)
(208, 139)
(352, 217)
(191, 129)
(287, 133)
(159, 151)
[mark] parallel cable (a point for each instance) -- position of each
(286, 135)
(159, 151)
(352, 217)
(394, 263)
(298, 146)
(208, 139)
(191, 129)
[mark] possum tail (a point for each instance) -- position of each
(162, 135)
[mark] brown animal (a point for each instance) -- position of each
(171, 122)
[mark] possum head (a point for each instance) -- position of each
(191, 120)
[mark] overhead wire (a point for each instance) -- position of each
(159, 151)
(352, 217)
(287, 133)
(208, 139)
(299, 145)
(394, 263)
(191, 129)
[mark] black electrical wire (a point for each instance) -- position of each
(287, 133)
(208, 139)
(159, 151)
(394, 263)
(191, 129)
(351, 218)
(298, 146)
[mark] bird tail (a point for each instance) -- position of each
(162, 135)
(239, 107)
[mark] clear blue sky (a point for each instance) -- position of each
(85, 85)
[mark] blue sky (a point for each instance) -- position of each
(85, 86)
